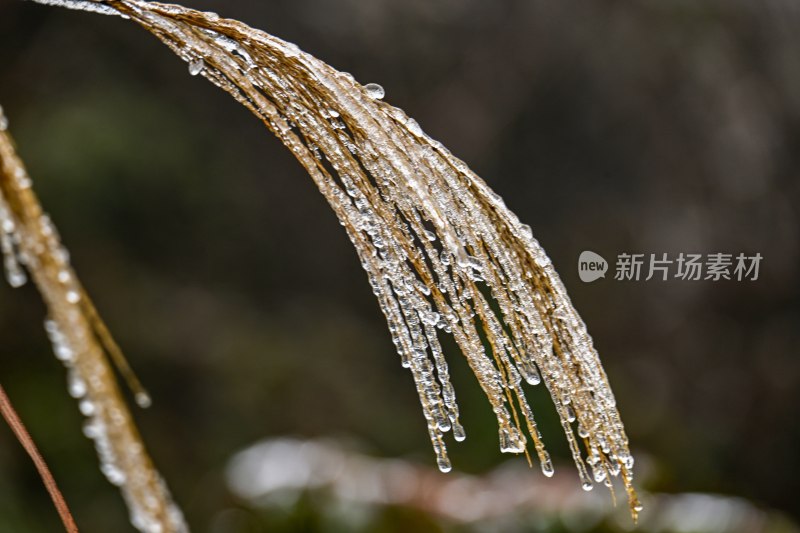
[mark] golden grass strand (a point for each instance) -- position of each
(76, 331)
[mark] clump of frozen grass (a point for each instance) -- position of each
(443, 253)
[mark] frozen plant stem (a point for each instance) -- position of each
(443, 253)
(81, 341)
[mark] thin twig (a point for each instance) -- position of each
(25, 439)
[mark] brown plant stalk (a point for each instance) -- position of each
(15, 423)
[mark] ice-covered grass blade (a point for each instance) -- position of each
(30, 243)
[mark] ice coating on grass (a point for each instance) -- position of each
(443, 253)
(83, 5)
(80, 341)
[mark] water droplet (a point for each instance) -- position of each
(547, 466)
(587, 485)
(73, 297)
(414, 127)
(424, 289)
(599, 474)
(23, 181)
(511, 441)
(627, 461)
(143, 400)
(86, 407)
(3, 121)
(570, 414)
(63, 352)
(114, 475)
(92, 429)
(75, 385)
(529, 372)
(430, 318)
(444, 464)
(15, 277)
(375, 91)
(196, 66)
(458, 432)
(51, 327)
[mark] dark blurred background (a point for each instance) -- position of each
(646, 126)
